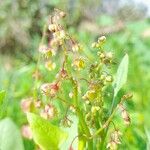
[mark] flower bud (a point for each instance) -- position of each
(26, 132)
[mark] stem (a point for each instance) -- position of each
(112, 105)
(82, 122)
(106, 124)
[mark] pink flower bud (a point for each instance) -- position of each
(26, 132)
(26, 105)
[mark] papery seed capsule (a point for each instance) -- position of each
(115, 136)
(125, 117)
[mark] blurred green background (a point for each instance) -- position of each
(127, 28)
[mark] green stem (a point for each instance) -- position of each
(82, 122)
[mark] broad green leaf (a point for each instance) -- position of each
(10, 138)
(2, 96)
(121, 75)
(46, 135)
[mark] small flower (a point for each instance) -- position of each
(66, 122)
(79, 63)
(109, 55)
(53, 27)
(49, 65)
(72, 108)
(94, 45)
(50, 89)
(63, 73)
(26, 132)
(71, 94)
(109, 78)
(49, 112)
(101, 39)
(38, 104)
(26, 105)
(94, 109)
(112, 145)
(76, 47)
(90, 95)
(46, 51)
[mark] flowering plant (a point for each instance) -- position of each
(81, 87)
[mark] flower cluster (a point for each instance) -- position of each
(89, 83)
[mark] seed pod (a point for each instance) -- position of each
(125, 117)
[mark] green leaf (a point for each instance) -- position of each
(121, 75)
(46, 135)
(2, 96)
(10, 138)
